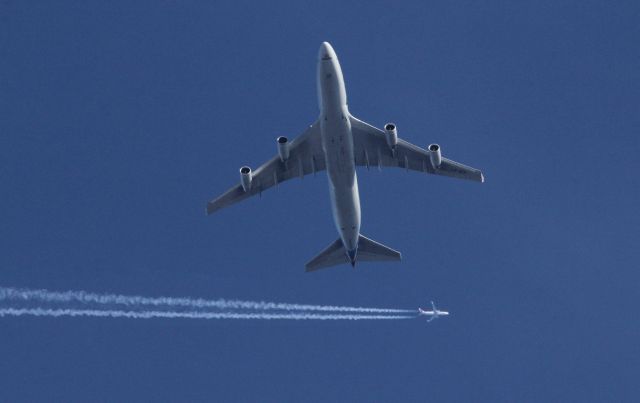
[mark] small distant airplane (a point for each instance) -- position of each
(433, 314)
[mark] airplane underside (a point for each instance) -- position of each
(338, 142)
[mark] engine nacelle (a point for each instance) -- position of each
(283, 148)
(391, 134)
(245, 178)
(435, 155)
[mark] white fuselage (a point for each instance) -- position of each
(432, 313)
(337, 143)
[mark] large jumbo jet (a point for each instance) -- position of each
(338, 142)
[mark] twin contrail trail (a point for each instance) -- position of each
(81, 303)
(196, 303)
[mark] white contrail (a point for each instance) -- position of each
(9, 293)
(188, 315)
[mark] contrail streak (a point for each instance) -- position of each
(9, 293)
(97, 313)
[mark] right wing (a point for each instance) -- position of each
(305, 157)
(371, 149)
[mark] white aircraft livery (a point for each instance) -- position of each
(337, 142)
(435, 313)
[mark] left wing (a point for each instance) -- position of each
(371, 149)
(305, 157)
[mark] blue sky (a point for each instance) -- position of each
(119, 121)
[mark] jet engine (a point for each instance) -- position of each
(391, 134)
(283, 148)
(245, 178)
(435, 155)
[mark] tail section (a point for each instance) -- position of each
(368, 251)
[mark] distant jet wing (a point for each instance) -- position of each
(371, 149)
(305, 157)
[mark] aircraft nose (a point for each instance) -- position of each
(326, 51)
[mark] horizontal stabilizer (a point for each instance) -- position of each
(368, 251)
(332, 255)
